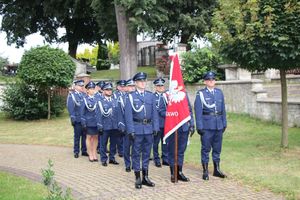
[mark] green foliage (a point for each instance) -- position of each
(55, 192)
(102, 61)
(259, 35)
(113, 52)
(90, 54)
(198, 62)
(25, 102)
(46, 67)
(3, 62)
(22, 18)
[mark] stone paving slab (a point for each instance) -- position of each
(92, 181)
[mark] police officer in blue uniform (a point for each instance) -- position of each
(99, 96)
(107, 117)
(98, 93)
(183, 134)
(161, 103)
(127, 142)
(74, 102)
(211, 123)
(141, 119)
(119, 93)
(89, 122)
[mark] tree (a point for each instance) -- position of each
(24, 17)
(259, 35)
(45, 68)
(159, 18)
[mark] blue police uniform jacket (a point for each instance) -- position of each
(107, 114)
(139, 108)
(98, 95)
(210, 110)
(88, 111)
(161, 105)
(74, 103)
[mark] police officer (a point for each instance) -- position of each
(99, 96)
(127, 143)
(141, 119)
(89, 122)
(108, 112)
(98, 93)
(183, 134)
(211, 123)
(130, 85)
(161, 103)
(74, 102)
(119, 93)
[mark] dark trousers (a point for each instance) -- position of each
(113, 135)
(182, 143)
(211, 139)
(141, 147)
(127, 145)
(164, 148)
(79, 135)
(120, 145)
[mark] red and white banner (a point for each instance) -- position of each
(178, 111)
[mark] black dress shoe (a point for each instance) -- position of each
(98, 151)
(91, 160)
(104, 164)
(128, 169)
(165, 163)
(120, 155)
(76, 155)
(157, 165)
(84, 154)
(114, 162)
(96, 160)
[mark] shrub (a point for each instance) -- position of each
(25, 102)
(198, 62)
(55, 192)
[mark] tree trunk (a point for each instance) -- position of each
(49, 98)
(284, 109)
(128, 44)
(72, 48)
(185, 40)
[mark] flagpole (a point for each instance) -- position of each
(176, 158)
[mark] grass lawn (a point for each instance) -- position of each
(251, 151)
(15, 188)
(114, 74)
(3, 79)
(252, 155)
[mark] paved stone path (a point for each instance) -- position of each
(92, 181)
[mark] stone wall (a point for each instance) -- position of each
(250, 97)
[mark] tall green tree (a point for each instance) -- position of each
(162, 19)
(45, 67)
(260, 35)
(24, 17)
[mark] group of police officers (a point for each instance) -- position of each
(132, 120)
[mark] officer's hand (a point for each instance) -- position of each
(131, 136)
(192, 130)
(122, 132)
(100, 131)
(200, 131)
(84, 129)
(73, 123)
(155, 133)
(224, 129)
